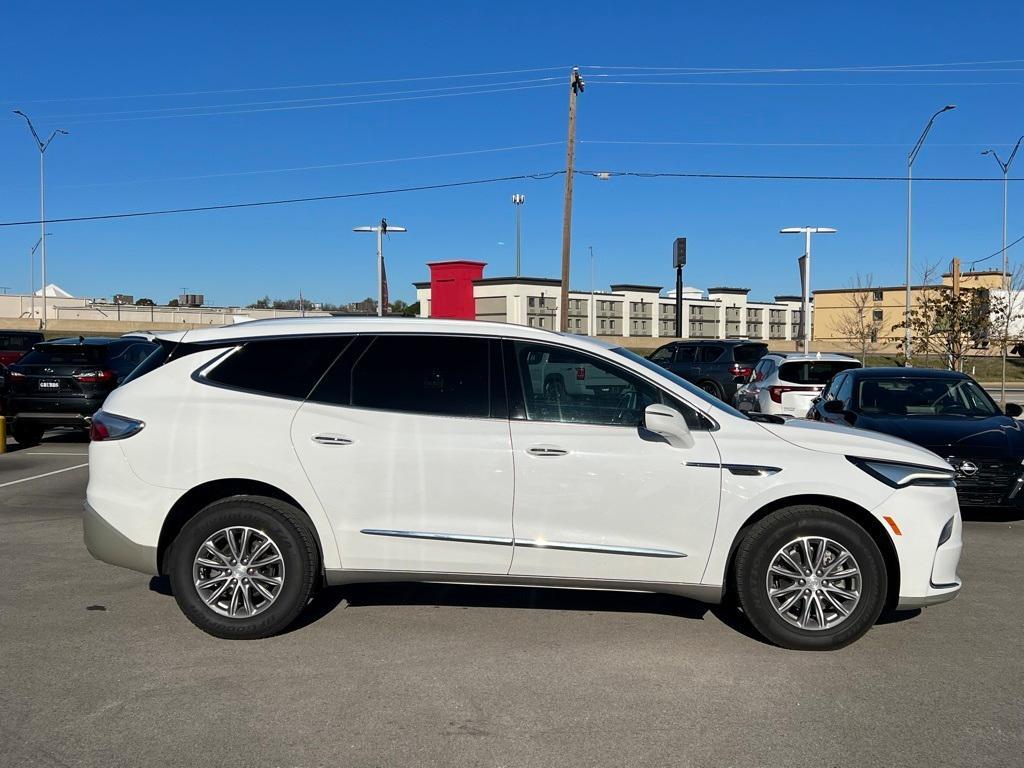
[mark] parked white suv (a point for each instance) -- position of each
(787, 384)
(265, 459)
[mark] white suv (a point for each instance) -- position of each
(787, 384)
(266, 459)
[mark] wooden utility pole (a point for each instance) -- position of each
(956, 277)
(575, 87)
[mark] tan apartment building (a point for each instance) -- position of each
(835, 308)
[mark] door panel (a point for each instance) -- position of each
(406, 442)
(435, 491)
(596, 495)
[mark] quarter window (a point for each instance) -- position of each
(280, 367)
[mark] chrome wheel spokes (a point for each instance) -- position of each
(813, 583)
(238, 572)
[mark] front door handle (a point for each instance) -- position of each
(546, 450)
(331, 439)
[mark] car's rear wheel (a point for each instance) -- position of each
(244, 567)
(27, 435)
(712, 388)
(810, 578)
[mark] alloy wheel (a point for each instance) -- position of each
(238, 572)
(814, 583)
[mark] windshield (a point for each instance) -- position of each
(814, 371)
(958, 398)
(666, 374)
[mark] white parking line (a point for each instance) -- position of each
(53, 453)
(45, 474)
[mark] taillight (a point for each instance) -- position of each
(109, 426)
(94, 377)
(775, 393)
(742, 370)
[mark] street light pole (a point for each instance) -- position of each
(42, 195)
(517, 202)
(32, 275)
(592, 320)
(1005, 167)
(910, 199)
(381, 229)
(805, 311)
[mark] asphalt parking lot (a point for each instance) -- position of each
(99, 668)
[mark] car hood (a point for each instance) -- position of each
(849, 441)
(996, 437)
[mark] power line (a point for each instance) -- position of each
(776, 176)
(467, 88)
(290, 201)
(763, 84)
(314, 167)
(308, 106)
(655, 143)
(997, 253)
(292, 87)
(755, 70)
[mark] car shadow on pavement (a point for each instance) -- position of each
(472, 596)
(56, 437)
(992, 514)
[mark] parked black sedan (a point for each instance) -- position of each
(946, 412)
(63, 383)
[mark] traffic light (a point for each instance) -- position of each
(679, 253)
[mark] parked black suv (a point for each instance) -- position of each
(713, 365)
(63, 383)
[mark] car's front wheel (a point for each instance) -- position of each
(244, 567)
(810, 578)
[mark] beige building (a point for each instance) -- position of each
(835, 309)
(637, 313)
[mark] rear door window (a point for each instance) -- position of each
(749, 353)
(686, 353)
(814, 371)
(432, 375)
(287, 367)
(710, 354)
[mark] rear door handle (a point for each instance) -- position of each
(329, 439)
(546, 450)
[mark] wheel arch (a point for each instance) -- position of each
(855, 512)
(194, 500)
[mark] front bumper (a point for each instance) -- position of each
(927, 568)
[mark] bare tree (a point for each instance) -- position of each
(950, 324)
(858, 324)
(1007, 315)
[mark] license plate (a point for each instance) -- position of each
(49, 385)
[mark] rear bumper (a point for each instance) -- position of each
(106, 543)
(53, 412)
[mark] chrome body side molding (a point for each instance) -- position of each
(743, 470)
(465, 538)
(705, 593)
(606, 549)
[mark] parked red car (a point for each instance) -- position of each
(14, 345)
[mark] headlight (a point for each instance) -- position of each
(899, 475)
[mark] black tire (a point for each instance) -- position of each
(27, 435)
(279, 521)
(760, 546)
(713, 388)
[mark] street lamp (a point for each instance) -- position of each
(1005, 167)
(42, 195)
(517, 202)
(32, 275)
(592, 314)
(910, 191)
(381, 229)
(805, 275)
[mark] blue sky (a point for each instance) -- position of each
(119, 158)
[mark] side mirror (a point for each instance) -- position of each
(670, 424)
(837, 407)
(1013, 410)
